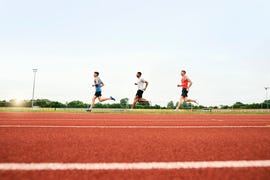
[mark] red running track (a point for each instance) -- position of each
(94, 145)
(131, 119)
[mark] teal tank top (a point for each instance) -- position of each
(98, 87)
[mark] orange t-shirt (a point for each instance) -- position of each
(184, 83)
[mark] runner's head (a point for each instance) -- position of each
(139, 74)
(183, 73)
(96, 74)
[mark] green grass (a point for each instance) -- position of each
(136, 111)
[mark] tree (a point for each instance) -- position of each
(99, 105)
(115, 106)
(238, 105)
(42, 103)
(156, 106)
(124, 103)
(77, 104)
(224, 107)
(170, 105)
(3, 103)
(56, 104)
(186, 105)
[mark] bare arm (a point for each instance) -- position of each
(179, 85)
(190, 83)
(146, 85)
(96, 82)
(102, 84)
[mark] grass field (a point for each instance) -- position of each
(140, 111)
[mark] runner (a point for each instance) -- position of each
(98, 84)
(186, 84)
(141, 88)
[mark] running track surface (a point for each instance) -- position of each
(103, 139)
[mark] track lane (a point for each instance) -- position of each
(137, 117)
(84, 119)
(132, 145)
(224, 174)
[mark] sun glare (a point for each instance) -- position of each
(17, 102)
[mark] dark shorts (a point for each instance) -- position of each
(139, 93)
(184, 93)
(98, 94)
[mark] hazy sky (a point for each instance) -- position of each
(223, 44)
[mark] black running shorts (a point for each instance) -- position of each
(184, 92)
(98, 94)
(139, 93)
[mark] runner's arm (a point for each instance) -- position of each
(96, 82)
(146, 85)
(190, 83)
(102, 84)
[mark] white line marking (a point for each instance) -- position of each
(130, 127)
(134, 166)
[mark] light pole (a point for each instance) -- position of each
(266, 96)
(34, 85)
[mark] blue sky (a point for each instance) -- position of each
(224, 46)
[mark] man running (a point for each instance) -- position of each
(98, 84)
(141, 88)
(186, 84)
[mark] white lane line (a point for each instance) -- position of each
(130, 127)
(133, 166)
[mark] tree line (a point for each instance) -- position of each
(46, 103)
(124, 103)
(238, 105)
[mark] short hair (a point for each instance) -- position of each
(184, 71)
(97, 73)
(139, 73)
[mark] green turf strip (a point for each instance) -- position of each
(136, 111)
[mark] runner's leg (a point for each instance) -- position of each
(136, 99)
(103, 99)
(182, 99)
(93, 102)
(190, 100)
